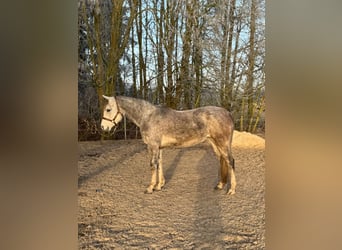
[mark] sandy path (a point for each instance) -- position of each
(114, 212)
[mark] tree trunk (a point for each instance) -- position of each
(184, 82)
(228, 80)
(160, 54)
(170, 27)
(134, 74)
(118, 42)
(251, 60)
(198, 55)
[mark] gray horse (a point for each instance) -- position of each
(162, 127)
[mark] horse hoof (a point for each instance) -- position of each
(147, 191)
(219, 186)
(231, 192)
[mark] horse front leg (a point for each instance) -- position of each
(154, 167)
(161, 179)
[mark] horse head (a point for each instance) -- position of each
(111, 114)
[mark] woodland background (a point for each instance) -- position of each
(179, 53)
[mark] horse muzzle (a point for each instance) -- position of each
(105, 128)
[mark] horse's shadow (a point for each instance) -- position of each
(168, 174)
(84, 178)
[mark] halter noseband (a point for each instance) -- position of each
(117, 113)
(113, 120)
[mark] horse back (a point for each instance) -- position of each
(185, 128)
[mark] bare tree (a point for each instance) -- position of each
(107, 40)
(184, 83)
(183, 54)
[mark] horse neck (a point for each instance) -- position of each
(134, 109)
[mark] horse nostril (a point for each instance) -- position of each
(102, 127)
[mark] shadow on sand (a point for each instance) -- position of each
(170, 170)
(208, 225)
(98, 171)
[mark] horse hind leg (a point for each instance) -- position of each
(223, 174)
(223, 169)
(226, 170)
(231, 174)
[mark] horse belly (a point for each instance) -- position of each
(169, 141)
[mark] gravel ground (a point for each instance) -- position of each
(114, 212)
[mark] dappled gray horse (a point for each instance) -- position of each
(162, 127)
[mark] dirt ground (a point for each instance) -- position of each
(114, 212)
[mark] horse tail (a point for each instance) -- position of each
(230, 155)
(224, 169)
(231, 160)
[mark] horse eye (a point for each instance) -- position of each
(108, 110)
